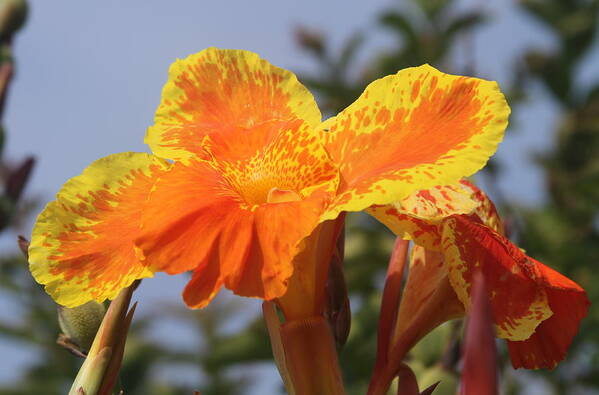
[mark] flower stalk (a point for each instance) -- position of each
(99, 372)
(273, 324)
(314, 310)
(311, 357)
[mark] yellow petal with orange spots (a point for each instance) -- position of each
(219, 90)
(411, 131)
(82, 243)
(485, 209)
(419, 216)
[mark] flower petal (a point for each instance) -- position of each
(419, 216)
(196, 219)
(82, 243)
(205, 283)
(550, 342)
(222, 90)
(252, 201)
(187, 210)
(485, 209)
(520, 287)
(411, 131)
(279, 229)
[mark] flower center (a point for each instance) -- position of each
(276, 195)
(259, 189)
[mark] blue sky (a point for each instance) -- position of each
(90, 75)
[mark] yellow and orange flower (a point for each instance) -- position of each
(246, 184)
(457, 234)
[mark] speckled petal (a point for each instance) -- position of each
(551, 340)
(219, 90)
(411, 131)
(419, 216)
(82, 243)
(524, 292)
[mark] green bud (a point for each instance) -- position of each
(81, 323)
(13, 14)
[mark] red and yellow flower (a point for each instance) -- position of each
(457, 234)
(246, 183)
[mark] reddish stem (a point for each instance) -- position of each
(388, 315)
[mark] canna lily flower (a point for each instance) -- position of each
(246, 184)
(457, 234)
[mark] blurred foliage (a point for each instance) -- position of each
(563, 232)
(424, 31)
